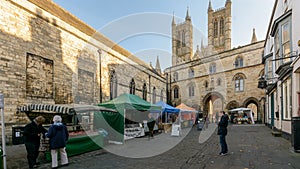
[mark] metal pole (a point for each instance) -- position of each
(3, 130)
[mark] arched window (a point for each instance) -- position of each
(154, 95)
(222, 31)
(178, 39)
(216, 28)
(162, 95)
(175, 76)
(132, 87)
(239, 62)
(145, 91)
(219, 82)
(191, 90)
(212, 68)
(176, 92)
(191, 73)
(183, 38)
(113, 85)
(239, 80)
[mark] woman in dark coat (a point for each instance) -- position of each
(58, 135)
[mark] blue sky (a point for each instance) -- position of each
(143, 26)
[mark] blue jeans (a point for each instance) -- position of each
(223, 143)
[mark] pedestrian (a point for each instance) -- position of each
(151, 123)
(58, 136)
(222, 131)
(32, 136)
(206, 122)
(217, 117)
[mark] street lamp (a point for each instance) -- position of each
(100, 73)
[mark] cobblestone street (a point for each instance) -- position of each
(249, 147)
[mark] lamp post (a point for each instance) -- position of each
(100, 73)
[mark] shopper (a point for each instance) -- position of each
(32, 136)
(222, 131)
(58, 136)
(151, 123)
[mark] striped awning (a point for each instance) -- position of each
(62, 109)
(45, 107)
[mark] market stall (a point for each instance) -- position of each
(241, 116)
(79, 120)
(134, 111)
(187, 114)
(167, 113)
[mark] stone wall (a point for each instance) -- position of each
(53, 59)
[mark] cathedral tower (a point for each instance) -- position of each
(219, 28)
(182, 40)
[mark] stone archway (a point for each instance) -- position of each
(213, 102)
(254, 104)
(232, 105)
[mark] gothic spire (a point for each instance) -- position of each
(173, 20)
(209, 6)
(187, 17)
(254, 38)
(157, 67)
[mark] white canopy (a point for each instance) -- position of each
(247, 110)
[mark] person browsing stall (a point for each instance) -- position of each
(32, 136)
(58, 136)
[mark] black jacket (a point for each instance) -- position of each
(222, 126)
(32, 131)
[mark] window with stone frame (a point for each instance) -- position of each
(239, 62)
(219, 82)
(176, 92)
(222, 30)
(144, 91)
(178, 40)
(154, 95)
(183, 38)
(212, 82)
(191, 73)
(239, 80)
(175, 76)
(132, 87)
(113, 85)
(212, 68)
(162, 95)
(216, 28)
(191, 90)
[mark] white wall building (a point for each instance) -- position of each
(282, 66)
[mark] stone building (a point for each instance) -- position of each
(215, 77)
(48, 56)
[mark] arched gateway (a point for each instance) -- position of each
(212, 102)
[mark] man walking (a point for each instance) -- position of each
(222, 131)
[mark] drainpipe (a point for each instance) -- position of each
(100, 73)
